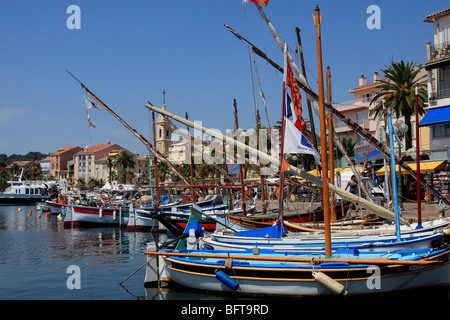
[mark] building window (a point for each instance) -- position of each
(367, 97)
(441, 131)
(160, 133)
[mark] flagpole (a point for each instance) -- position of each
(240, 165)
(418, 184)
(323, 137)
(281, 188)
(89, 123)
(331, 146)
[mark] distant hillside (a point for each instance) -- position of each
(28, 157)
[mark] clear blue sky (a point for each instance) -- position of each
(127, 52)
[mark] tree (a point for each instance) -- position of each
(398, 94)
(123, 161)
(349, 146)
(32, 171)
(109, 163)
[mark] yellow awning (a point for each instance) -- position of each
(430, 166)
(317, 174)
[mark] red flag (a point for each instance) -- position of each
(264, 2)
(296, 98)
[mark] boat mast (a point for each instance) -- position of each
(158, 199)
(190, 162)
(330, 146)
(308, 99)
(261, 166)
(240, 165)
(281, 188)
(323, 137)
(418, 188)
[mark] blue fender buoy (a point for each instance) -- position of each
(227, 280)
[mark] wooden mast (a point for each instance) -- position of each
(308, 101)
(240, 165)
(281, 188)
(323, 137)
(263, 188)
(190, 162)
(331, 146)
(158, 199)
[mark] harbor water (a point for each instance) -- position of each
(38, 258)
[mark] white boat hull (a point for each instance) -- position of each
(84, 217)
(363, 243)
(359, 280)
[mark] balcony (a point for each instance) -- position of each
(440, 98)
(440, 51)
(363, 102)
(340, 126)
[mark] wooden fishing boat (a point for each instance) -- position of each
(314, 242)
(299, 274)
(56, 207)
(78, 216)
(142, 220)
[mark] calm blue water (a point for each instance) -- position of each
(35, 254)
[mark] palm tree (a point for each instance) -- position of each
(109, 163)
(124, 160)
(33, 171)
(398, 93)
(348, 145)
(14, 170)
(163, 170)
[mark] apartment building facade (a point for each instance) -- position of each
(85, 160)
(59, 159)
(438, 71)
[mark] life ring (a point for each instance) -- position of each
(120, 187)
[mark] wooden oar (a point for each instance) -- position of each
(314, 261)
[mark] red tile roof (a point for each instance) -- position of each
(368, 85)
(95, 148)
(440, 13)
(60, 151)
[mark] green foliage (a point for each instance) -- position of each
(30, 156)
(398, 94)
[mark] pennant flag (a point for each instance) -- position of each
(89, 120)
(291, 82)
(91, 104)
(264, 2)
(285, 166)
(296, 142)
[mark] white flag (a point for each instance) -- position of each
(91, 104)
(294, 140)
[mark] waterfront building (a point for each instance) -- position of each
(359, 110)
(438, 70)
(58, 162)
(45, 166)
(85, 160)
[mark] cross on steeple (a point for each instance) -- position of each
(164, 96)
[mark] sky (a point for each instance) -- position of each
(128, 52)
